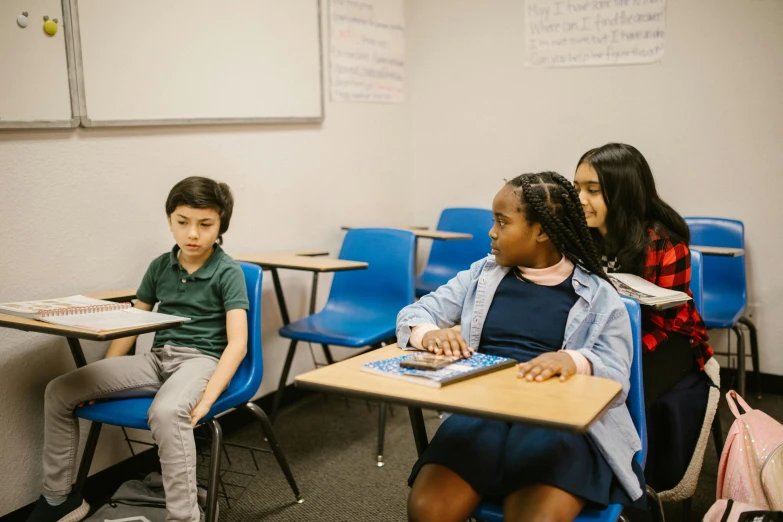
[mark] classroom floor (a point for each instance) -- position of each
(331, 448)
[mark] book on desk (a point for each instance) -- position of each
(473, 366)
(87, 313)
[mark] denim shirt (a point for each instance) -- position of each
(598, 327)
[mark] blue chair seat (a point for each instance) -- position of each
(353, 328)
(721, 313)
(130, 413)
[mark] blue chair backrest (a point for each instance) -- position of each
(724, 277)
(386, 286)
(247, 378)
(697, 280)
(635, 401)
(455, 256)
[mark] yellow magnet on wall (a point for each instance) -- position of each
(50, 26)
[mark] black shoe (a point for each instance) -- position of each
(72, 510)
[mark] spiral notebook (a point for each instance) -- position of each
(86, 313)
(475, 365)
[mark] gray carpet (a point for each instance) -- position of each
(331, 449)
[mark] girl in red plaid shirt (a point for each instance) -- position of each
(638, 233)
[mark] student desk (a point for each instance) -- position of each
(719, 251)
(307, 261)
(423, 232)
(74, 334)
(571, 406)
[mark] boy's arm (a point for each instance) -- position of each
(122, 346)
(236, 329)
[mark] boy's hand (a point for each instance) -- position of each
(447, 342)
(199, 412)
(548, 365)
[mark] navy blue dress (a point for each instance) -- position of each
(497, 458)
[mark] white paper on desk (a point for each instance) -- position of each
(115, 320)
(33, 309)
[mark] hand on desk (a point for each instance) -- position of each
(446, 341)
(548, 365)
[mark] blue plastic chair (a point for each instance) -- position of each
(447, 258)
(363, 304)
(725, 289)
(132, 413)
(494, 512)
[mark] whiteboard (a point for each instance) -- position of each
(180, 62)
(37, 87)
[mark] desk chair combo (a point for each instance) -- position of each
(488, 512)
(363, 305)
(132, 413)
(447, 258)
(725, 291)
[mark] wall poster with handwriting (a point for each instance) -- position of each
(367, 50)
(573, 33)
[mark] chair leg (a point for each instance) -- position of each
(89, 453)
(754, 352)
(214, 470)
(740, 359)
(686, 509)
(269, 433)
(327, 354)
(717, 434)
(654, 505)
(381, 431)
(283, 378)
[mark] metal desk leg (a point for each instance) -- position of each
(313, 292)
(419, 429)
(76, 352)
(280, 297)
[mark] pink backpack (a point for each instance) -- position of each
(751, 465)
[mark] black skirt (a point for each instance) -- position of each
(498, 458)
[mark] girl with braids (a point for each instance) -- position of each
(638, 233)
(541, 298)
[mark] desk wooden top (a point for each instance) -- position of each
(572, 405)
(118, 296)
(719, 251)
(440, 235)
(31, 325)
(299, 262)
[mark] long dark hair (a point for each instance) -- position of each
(550, 199)
(633, 205)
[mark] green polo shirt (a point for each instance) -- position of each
(204, 296)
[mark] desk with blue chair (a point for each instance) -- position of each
(725, 288)
(363, 305)
(132, 413)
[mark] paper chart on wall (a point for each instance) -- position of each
(367, 50)
(574, 33)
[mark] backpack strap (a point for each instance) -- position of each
(726, 513)
(737, 404)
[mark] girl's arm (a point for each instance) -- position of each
(441, 308)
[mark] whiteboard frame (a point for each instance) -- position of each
(85, 121)
(72, 85)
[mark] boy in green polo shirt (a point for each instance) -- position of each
(187, 369)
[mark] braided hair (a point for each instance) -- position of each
(550, 199)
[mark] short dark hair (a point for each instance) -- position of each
(199, 192)
(633, 205)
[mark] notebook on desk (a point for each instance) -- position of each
(475, 365)
(87, 313)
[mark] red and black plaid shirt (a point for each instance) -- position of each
(668, 265)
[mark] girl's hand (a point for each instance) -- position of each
(447, 342)
(548, 365)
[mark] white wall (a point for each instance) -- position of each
(709, 119)
(84, 211)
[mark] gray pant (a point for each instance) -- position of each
(175, 376)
